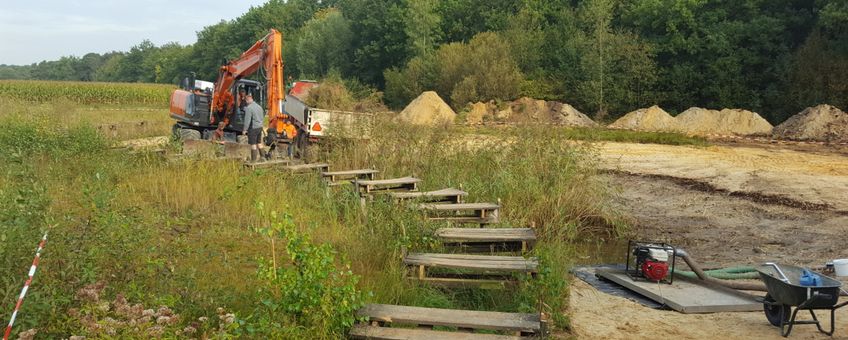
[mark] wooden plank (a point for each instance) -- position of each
(362, 331)
(687, 295)
(390, 181)
(268, 164)
(350, 173)
(498, 321)
(474, 262)
(451, 195)
(486, 234)
(307, 167)
(336, 178)
(458, 206)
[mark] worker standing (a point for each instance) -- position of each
(290, 132)
(254, 118)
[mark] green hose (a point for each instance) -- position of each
(730, 273)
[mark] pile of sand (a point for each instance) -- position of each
(428, 109)
(651, 119)
(476, 112)
(530, 109)
(699, 121)
(527, 110)
(566, 114)
(821, 123)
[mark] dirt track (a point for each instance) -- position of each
(726, 206)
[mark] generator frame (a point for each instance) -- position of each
(635, 272)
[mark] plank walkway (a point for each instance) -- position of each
(479, 213)
(488, 239)
(308, 167)
(380, 316)
(451, 270)
(447, 195)
(335, 178)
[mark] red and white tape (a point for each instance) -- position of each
(26, 287)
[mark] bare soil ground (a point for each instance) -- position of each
(726, 206)
(794, 177)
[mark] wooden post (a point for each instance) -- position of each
(422, 272)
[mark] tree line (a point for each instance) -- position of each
(605, 57)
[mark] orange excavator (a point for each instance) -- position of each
(204, 110)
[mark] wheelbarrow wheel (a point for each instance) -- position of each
(777, 314)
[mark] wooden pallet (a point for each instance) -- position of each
(268, 164)
(334, 178)
(479, 213)
(367, 188)
(461, 270)
(488, 239)
(448, 195)
(513, 325)
(308, 167)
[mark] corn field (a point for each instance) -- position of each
(86, 92)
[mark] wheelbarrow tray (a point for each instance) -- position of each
(788, 293)
(793, 294)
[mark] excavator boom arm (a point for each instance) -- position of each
(265, 53)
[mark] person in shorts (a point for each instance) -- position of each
(254, 118)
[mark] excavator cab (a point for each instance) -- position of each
(191, 108)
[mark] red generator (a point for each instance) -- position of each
(651, 261)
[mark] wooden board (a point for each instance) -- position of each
(450, 195)
(474, 262)
(479, 213)
(491, 240)
(335, 178)
(366, 188)
(687, 295)
(459, 206)
(268, 164)
(499, 321)
(350, 173)
(307, 167)
(362, 331)
(391, 181)
(486, 234)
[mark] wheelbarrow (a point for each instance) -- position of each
(785, 292)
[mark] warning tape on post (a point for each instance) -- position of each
(26, 287)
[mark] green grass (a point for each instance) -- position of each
(185, 235)
(611, 135)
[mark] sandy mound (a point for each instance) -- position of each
(728, 121)
(532, 109)
(527, 111)
(428, 109)
(821, 123)
(476, 113)
(566, 114)
(651, 119)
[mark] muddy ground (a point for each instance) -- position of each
(726, 206)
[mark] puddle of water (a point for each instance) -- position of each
(600, 252)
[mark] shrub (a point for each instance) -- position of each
(309, 286)
(481, 70)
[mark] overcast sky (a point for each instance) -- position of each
(36, 30)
